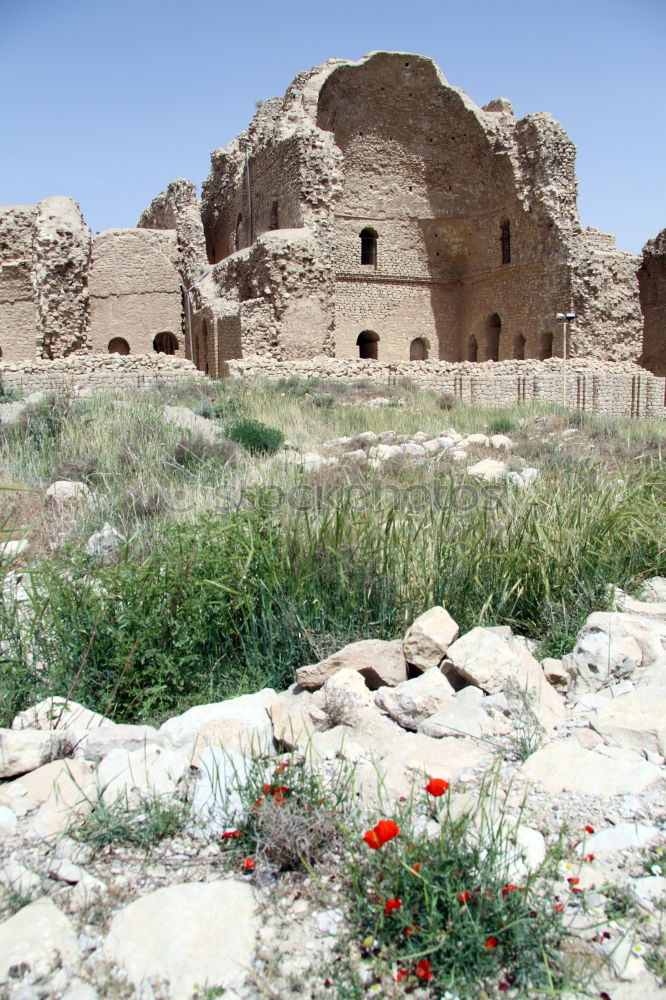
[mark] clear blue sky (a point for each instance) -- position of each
(109, 100)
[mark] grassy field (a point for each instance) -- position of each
(237, 568)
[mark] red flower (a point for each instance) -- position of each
(392, 906)
(247, 864)
(424, 969)
(464, 897)
(230, 833)
(258, 802)
(589, 857)
(573, 884)
(491, 943)
(282, 766)
(371, 839)
(381, 833)
(386, 830)
(408, 931)
(281, 789)
(559, 907)
(588, 828)
(417, 867)
(507, 889)
(437, 787)
(400, 975)
(267, 788)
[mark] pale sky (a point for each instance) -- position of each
(109, 100)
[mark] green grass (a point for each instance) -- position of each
(140, 824)
(237, 570)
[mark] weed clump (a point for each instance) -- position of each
(255, 437)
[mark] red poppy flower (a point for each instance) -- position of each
(247, 864)
(424, 969)
(400, 975)
(464, 897)
(408, 931)
(589, 857)
(386, 830)
(417, 867)
(491, 943)
(230, 833)
(588, 828)
(507, 889)
(267, 788)
(371, 839)
(282, 766)
(559, 907)
(282, 789)
(392, 906)
(437, 787)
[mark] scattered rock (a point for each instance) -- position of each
(412, 701)
(381, 664)
(59, 713)
(40, 936)
(637, 721)
(488, 469)
(566, 767)
(429, 637)
(244, 720)
(188, 934)
(346, 697)
(105, 544)
(66, 494)
(24, 750)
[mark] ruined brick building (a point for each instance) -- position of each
(374, 211)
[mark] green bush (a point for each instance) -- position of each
(255, 437)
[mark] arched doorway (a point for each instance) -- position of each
(418, 350)
(118, 345)
(545, 346)
(367, 344)
(519, 347)
(472, 349)
(165, 343)
(203, 360)
(493, 332)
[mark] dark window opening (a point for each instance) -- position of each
(546, 346)
(472, 349)
(118, 345)
(418, 350)
(493, 338)
(165, 343)
(369, 247)
(367, 345)
(238, 238)
(519, 348)
(275, 217)
(505, 240)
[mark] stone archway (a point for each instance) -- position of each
(545, 346)
(472, 349)
(118, 345)
(519, 347)
(493, 334)
(165, 343)
(367, 342)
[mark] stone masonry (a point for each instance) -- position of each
(652, 282)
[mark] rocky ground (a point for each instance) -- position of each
(580, 742)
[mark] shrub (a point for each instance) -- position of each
(192, 451)
(7, 394)
(446, 401)
(255, 437)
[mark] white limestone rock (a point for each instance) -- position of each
(612, 646)
(412, 701)
(23, 750)
(565, 766)
(59, 713)
(194, 932)
(294, 717)
(488, 469)
(459, 719)
(346, 698)
(621, 837)
(20, 880)
(646, 609)
(380, 663)
(39, 935)
(476, 441)
(95, 744)
(428, 638)
(654, 590)
(501, 442)
(238, 723)
(67, 494)
(104, 544)
(636, 721)
(138, 774)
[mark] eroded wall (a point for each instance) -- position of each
(135, 289)
(652, 282)
(18, 315)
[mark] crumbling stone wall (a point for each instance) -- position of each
(178, 209)
(615, 388)
(385, 145)
(109, 372)
(135, 290)
(18, 315)
(61, 257)
(652, 283)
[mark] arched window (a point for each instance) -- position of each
(519, 347)
(418, 350)
(118, 345)
(165, 343)
(493, 331)
(505, 241)
(369, 247)
(545, 346)
(238, 238)
(275, 216)
(367, 344)
(472, 349)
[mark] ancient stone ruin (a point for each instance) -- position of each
(373, 212)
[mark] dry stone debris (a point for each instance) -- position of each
(566, 766)
(412, 701)
(244, 719)
(380, 663)
(23, 750)
(66, 493)
(40, 936)
(428, 638)
(488, 469)
(59, 713)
